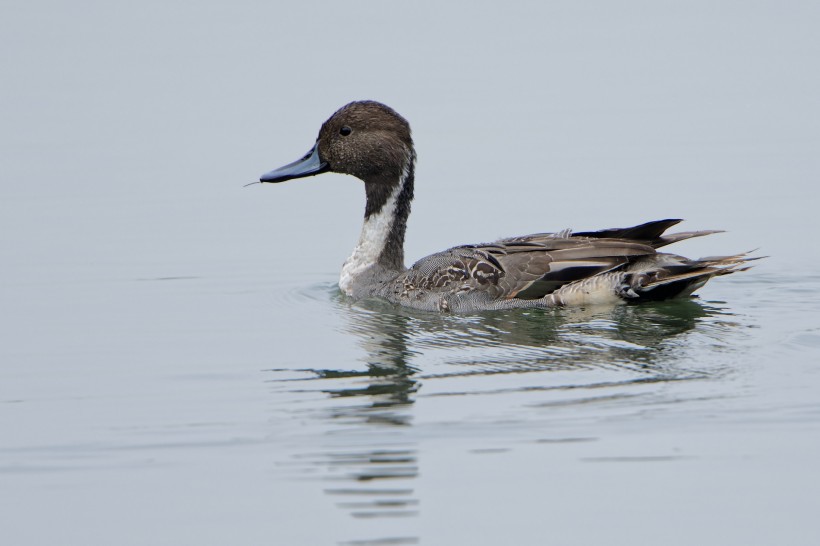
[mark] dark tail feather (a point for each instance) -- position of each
(656, 287)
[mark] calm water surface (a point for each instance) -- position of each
(392, 427)
(178, 367)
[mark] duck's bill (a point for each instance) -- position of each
(307, 166)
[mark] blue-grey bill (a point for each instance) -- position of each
(307, 166)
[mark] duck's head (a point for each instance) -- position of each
(365, 139)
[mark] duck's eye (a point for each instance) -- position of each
(344, 131)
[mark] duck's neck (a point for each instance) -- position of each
(380, 250)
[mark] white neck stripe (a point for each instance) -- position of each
(373, 238)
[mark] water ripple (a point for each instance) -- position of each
(505, 370)
(404, 350)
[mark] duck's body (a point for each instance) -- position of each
(372, 142)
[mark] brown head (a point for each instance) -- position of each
(365, 139)
(372, 142)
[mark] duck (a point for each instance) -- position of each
(372, 142)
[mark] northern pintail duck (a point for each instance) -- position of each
(372, 142)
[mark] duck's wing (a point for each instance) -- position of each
(649, 233)
(525, 269)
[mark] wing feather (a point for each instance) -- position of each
(525, 269)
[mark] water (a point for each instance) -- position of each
(177, 366)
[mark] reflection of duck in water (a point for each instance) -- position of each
(405, 340)
(403, 348)
(369, 456)
(372, 142)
